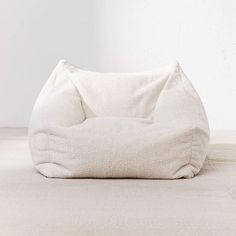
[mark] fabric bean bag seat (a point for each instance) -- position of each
(118, 125)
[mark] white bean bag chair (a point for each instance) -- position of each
(118, 125)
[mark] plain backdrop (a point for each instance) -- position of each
(118, 36)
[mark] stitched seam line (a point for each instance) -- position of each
(196, 120)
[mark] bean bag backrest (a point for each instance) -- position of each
(159, 110)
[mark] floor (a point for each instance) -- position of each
(31, 204)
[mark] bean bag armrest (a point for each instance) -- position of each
(58, 104)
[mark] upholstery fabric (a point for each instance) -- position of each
(124, 125)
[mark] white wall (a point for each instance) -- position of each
(118, 36)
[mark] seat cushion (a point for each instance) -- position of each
(135, 125)
(117, 147)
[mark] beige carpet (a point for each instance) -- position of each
(32, 205)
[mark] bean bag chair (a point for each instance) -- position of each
(118, 125)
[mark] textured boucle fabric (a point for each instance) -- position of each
(118, 125)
